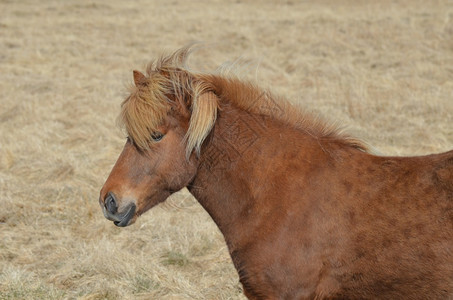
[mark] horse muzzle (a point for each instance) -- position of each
(110, 210)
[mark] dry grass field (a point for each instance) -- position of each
(383, 69)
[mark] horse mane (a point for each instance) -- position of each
(249, 97)
(145, 109)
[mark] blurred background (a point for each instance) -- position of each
(381, 69)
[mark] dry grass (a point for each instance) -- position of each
(385, 70)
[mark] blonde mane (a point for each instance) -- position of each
(143, 112)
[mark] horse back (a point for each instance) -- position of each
(444, 171)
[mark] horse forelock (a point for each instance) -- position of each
(144, 111)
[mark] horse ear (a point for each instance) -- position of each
(139, 78)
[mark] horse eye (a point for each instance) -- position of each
(157, 136)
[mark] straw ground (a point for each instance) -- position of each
(383, 69)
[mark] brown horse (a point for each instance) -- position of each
(306, 211)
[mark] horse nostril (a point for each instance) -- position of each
(110, 203)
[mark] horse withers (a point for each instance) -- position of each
(306, 211)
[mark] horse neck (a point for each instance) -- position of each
(234, 179)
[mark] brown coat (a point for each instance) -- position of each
(306, 212)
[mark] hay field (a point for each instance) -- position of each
(384, 70)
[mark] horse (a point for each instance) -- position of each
(307, 212)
